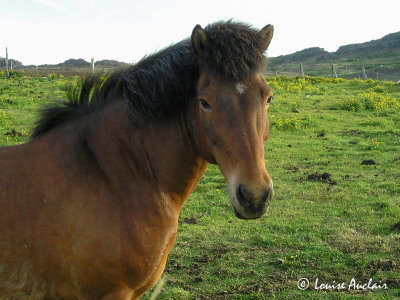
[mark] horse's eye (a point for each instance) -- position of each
(269, 99)
(205, 105)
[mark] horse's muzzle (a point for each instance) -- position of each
(252, 205)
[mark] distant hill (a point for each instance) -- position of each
(81, 63)
(388, 46)
(15, 63)
(73, 67)
(380, 57)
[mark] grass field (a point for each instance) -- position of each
(334, 156)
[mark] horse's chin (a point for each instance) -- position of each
(248, 216)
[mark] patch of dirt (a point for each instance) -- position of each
(198, 279)
(195, 269)
(384, 265)
(221, 271)
(190, 221)
(396, 227)
(324, 177)
(277, 262)
(13, 132)
(172, 264)
(368, 162)
(293, 169)
(203, 259)
(354, 131)
(219, 251)
(393, 283)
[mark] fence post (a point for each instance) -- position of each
(93, 65)
(8, 73)
(364, 74)
(334, 74)
(301, 74)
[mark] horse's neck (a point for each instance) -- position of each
(156, 153)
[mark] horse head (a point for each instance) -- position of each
(231, 123)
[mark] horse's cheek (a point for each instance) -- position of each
(206, 142)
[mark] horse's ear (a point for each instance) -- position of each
(265, 36)
(199, 40)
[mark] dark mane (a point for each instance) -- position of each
(163, 82)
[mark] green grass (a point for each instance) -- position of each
(20, 99)
(333, 229)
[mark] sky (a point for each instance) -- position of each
(52, 31)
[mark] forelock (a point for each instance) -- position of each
(233, 50)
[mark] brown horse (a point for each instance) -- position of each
(89, 207)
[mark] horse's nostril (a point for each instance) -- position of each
(243, 196)
(265, 196)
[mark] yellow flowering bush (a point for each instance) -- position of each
(324, 80)
(3, 118)
(371, 121)
(373, 144)
(378, 89)
(287, 123)
(294, 86)
(370, 101)
(52, 76)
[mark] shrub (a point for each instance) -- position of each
(288, 123)
(52, 76)
(370, 101)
